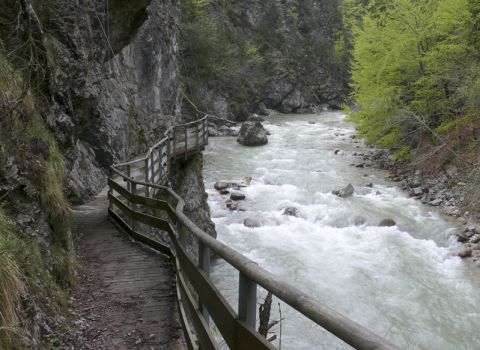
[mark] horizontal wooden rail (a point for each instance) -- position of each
(129, 209)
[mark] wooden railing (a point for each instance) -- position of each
(143, 205)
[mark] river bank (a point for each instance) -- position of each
(445, 188)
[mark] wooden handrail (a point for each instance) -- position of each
(128, 206)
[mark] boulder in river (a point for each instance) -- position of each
(290, 211)
(224, 192)
(232, 205)
(221, 185)
(387, 223)
(251, 222)
(252, 134)
(237, 196)
(465, 253)
(344, 192)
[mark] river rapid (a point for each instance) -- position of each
(403, 282)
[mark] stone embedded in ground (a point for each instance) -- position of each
(436, 202)
(290, 211)
(237, 196)
(344, 192)
(465, 253)
(471, 228)
(417, 191)
(463, 237)
(252, 134)
(251, 222)
(387, 223)
(475, 238)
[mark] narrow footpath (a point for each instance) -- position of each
(125, 296)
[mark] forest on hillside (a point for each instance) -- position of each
(407, 71)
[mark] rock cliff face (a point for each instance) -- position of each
(285, 54)
(100, 89)
(114, 83)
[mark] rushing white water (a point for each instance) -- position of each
(403, 282)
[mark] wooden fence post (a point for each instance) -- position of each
(247, 300)
(204, 265)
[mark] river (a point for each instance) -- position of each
(403, 282)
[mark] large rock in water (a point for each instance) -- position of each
(252, 134)
(344, 192)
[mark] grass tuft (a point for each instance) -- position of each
(12, 286)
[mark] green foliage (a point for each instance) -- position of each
(415, 68)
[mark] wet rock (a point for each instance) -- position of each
(387, 223)
(360, 220)
(344, 192)
(231, 205)
(251, 222)
(465, 253)
(221, 185)
(475, 238)
(338, 152)
(237, 196)
(369, 184)
(224, 192)
(436, 202)
(471, 228)
(417, 191)
(462, 237)
(290, 211)
(252, 134)
(312, 122)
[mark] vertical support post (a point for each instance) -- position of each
(147, 180)
(133, 206)
(174, 148)
(169, 158)
(204, 265)
(129, 189)
(152, 165)
(110, 190)
(206, 131)
(247, 300)
(198, 137)
(186, 138)
(160, 162)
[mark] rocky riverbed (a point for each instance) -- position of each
(378, 255)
